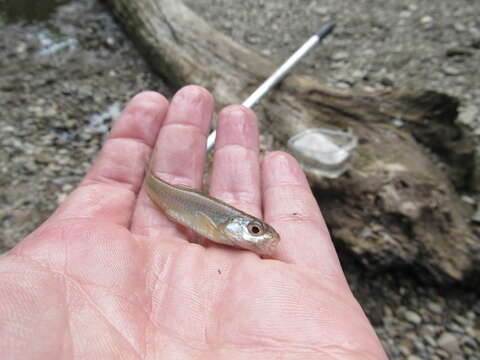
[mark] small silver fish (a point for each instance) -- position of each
(211, 217)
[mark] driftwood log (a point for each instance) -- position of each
(398, 205)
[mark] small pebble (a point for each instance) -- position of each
(427, 19)
(340, 56)
(404, 350)
(434, 307)
(469, 200)
(459, 51)
(21, 47)
(455, 328)
(110, 41)
(476, 216)
(460, 27)
(451, 70)
(442, 353)
(468, 115)
(387, 80)
(413, 317)
(430, 340)
(320, 10)
(343, 84)
(449, 342)
(398, 122)
(61, 197)
(252, 39)
(461, 320)
(477, 335)
(44, 158)
(358, 74)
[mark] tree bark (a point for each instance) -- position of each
(398, 203)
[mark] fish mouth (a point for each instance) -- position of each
(268, 246)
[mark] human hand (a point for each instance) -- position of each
(108, 276)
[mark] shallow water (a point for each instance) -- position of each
(28, 11)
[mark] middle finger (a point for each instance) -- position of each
(236, 171)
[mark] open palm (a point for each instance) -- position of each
(108, 276)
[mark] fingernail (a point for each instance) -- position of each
(189, 94)
(236, 113)
(237, 121)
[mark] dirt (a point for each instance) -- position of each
(66, 69)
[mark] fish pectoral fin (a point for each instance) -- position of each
(173, 214)
(207, 224)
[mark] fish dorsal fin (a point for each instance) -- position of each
(178, 186)
(188, 188)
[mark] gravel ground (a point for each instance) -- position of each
(377, 44)
(63, 79)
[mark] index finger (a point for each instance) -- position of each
(290, 207)
(178, 157)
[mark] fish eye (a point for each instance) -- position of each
(255, 229)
